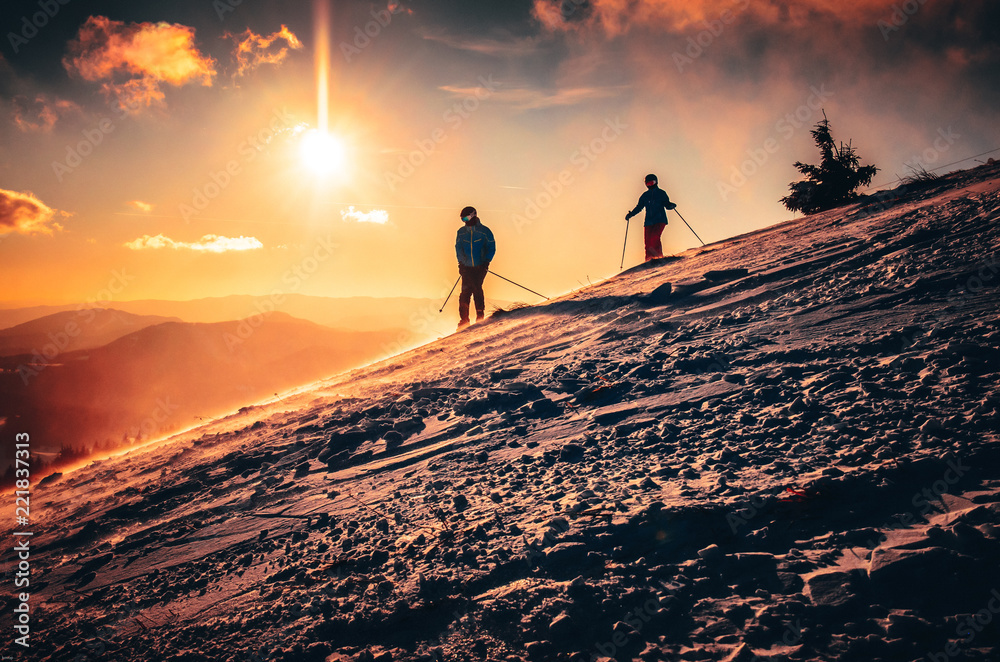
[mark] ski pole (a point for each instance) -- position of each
(690, 228)
(519, 285)
(626, 244)
(449, 295)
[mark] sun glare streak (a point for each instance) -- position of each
(322, 64)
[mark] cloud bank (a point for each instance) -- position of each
(210, 243)
(133, 60)
(377, 216)
(23, 213)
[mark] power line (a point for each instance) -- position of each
(947, 165)
(201, 218)
(345, 204)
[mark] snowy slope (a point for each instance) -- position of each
(798, 463)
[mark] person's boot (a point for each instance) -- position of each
(480, 316)
(463, 314)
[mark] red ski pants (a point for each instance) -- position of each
(654, 249)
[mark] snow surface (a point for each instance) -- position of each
(799, 463)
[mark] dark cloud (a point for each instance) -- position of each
(40, 114)
(23, 213)
(478, 18)
(811, 34)
(877, 52)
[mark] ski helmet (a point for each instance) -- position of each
(468, 213)
(651, 180)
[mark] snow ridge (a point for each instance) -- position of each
(795, 462)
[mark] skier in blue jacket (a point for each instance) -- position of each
(655, 201)
(475, 248)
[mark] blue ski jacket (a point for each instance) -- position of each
(475, 245)
(655, 201)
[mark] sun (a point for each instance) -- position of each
(322, 153)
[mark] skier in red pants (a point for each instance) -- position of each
(475, 248)
(655, 201)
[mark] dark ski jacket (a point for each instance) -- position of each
(474, 244)
(656, 202)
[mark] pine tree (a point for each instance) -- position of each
(834, 181)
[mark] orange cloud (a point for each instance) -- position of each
(210, 243)
(377, 216)
(396, 7)
(135, 94)
(139, 205)
(23, 213)
(147, 53)
(40, 115)
(253, 50)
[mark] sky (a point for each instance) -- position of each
(204, 148)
